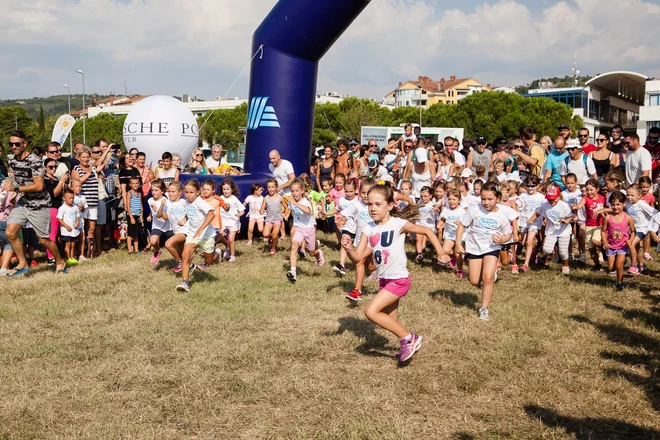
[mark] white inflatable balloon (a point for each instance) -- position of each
(158, 124)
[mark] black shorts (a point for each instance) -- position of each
(495, 254)
(69, 239)
(350, 234)
(505, 247)
(134, 229)
(332, 226)
(163, 236)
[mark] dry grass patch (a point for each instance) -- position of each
(111, 350)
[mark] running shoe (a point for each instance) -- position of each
(642, 267)
(524, 268)
(612, 273)
(34, 263)
(452, 262)
(619, 286)
(177, 268)
(202, 266)
(51, 261)
(647, 256)
(192, 269)
(514, 268)
(320, 261)
(633, 270)
(582, 258)
(565, 270)
(249, 243)
(355, 295)
(155, 257)
(460, 273)
(419, 258)
(291, 276)
(409, 347)
(484, 315)
(232, 259)
(273, 252)
(499, 266)
(183, 287)
(71, 262)
(227, 254)
(339, 270)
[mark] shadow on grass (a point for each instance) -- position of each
(590, 428)
(650, 319)
(363, 329)
(642, 282)
(462, 436)
(649, 360)
(459, 299)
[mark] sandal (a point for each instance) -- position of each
(18, 272)
(62, 271)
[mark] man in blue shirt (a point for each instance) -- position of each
(553, 163)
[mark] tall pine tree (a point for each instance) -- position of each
(42, 120)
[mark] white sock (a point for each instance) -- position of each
(293, 270)
(409, 337)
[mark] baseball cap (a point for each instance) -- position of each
(481, 140)
(353, 141)
(573, 144)
(373, 164)
(564, 127)
(420, 155)
(467, 172)
(552, 192)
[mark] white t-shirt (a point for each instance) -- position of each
(554, 214)
(428, 217)
(196, 213)
(637, 162)
(459, 159)
(254, 206)
(387, 244)
(175, 212)
(281, 174)
(481, 226)
(303, 219)
(574, 198)
(510, 214)
(527, 206)
(641, 213)
(451, 217)
(156, 222)
(655, 223)
(359, 212)
(577, 167)
(230, 218)
(212, 163)
(502, 177)
(81, 200)
(69, 214)
(61, 170)
(382, 174)
(344, 204)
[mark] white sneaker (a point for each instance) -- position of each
(4, 272)
(484, 315)
(291, 276)
(582, 258)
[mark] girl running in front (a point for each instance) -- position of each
(449, 219)
(231, 216)
(528, 203)
(346, 225)
(385, 240)
(641, 213)
(305, 224)
(272, 207)
(573, 195)
(429, 217)
(160, 228)
(558, 216)
(209, 196)
(618, 228)
(200, 233)
(174, 212)
(487, 230)
(594, 203)
(253, 202)
(645, 185)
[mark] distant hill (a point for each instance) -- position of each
(567, 81)
(53, 105)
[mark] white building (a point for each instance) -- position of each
(649, 113)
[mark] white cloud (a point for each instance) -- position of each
(175, 46)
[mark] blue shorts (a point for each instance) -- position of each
(350, 234)
(495, 254)
(641, 235)
(163, 236)
(614, 252)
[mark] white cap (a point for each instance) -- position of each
(573, 143)
(467, 172)
(420, 155)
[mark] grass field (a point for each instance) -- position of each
(113, 351)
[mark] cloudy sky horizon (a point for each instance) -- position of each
(199, 48)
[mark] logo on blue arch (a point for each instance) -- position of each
(260, 114)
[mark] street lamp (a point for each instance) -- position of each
(420, 105)
(83, 113)
(68, 95)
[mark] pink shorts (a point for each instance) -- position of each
(398, 287)
(275, 223)
(306, 234)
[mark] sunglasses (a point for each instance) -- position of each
(96, 152)
(654, 138)
(198, 155)
(583, 135)
(53, 151)
(602, 140)
(531, 186)
(627, 143)
(503, 142)
(15, 144)
(50, 167)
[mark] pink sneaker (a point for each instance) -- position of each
(273, 252)
(177, 267)
(633, 270)
(320, 261)
(524, 268)
(514, 268)
(155, 257)
(232, 259)
(460, 273)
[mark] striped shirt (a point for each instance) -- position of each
(90, 187)
(135, 203)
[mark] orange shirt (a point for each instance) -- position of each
(217, 204)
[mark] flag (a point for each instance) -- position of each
(62, 128)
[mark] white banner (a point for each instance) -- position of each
(62, 128)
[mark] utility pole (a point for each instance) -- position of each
(125, 84)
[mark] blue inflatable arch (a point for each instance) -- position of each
(294, 37)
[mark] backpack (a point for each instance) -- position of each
(567, 160)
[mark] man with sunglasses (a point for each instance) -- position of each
(553, 163)
(653, 146)
(616, 146)
(638, 161)
(479, 156)
(33, 203)
(451, 146)
(534, 155)
(54, 151)
(583, 137)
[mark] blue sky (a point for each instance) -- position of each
(177, 46)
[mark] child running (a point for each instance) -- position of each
(305, 228)
(253, 202)
(573, 195)
(385, 241)
(645, 185)
(68, 216)
(174, 211)
(429, 216)
(449, 219)
(208, 194)
(347, 226)
(160, 228)
(200, 215)
(594, 203)
(487, 230)
(558, 216)
(528, 203)
(618, 228)
(641, 213)
(272, 207)
(231, 216)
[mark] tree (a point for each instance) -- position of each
(356, 113)
(42, 120)
(223, 126)
(103, 125)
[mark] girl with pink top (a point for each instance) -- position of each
(617, 233)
